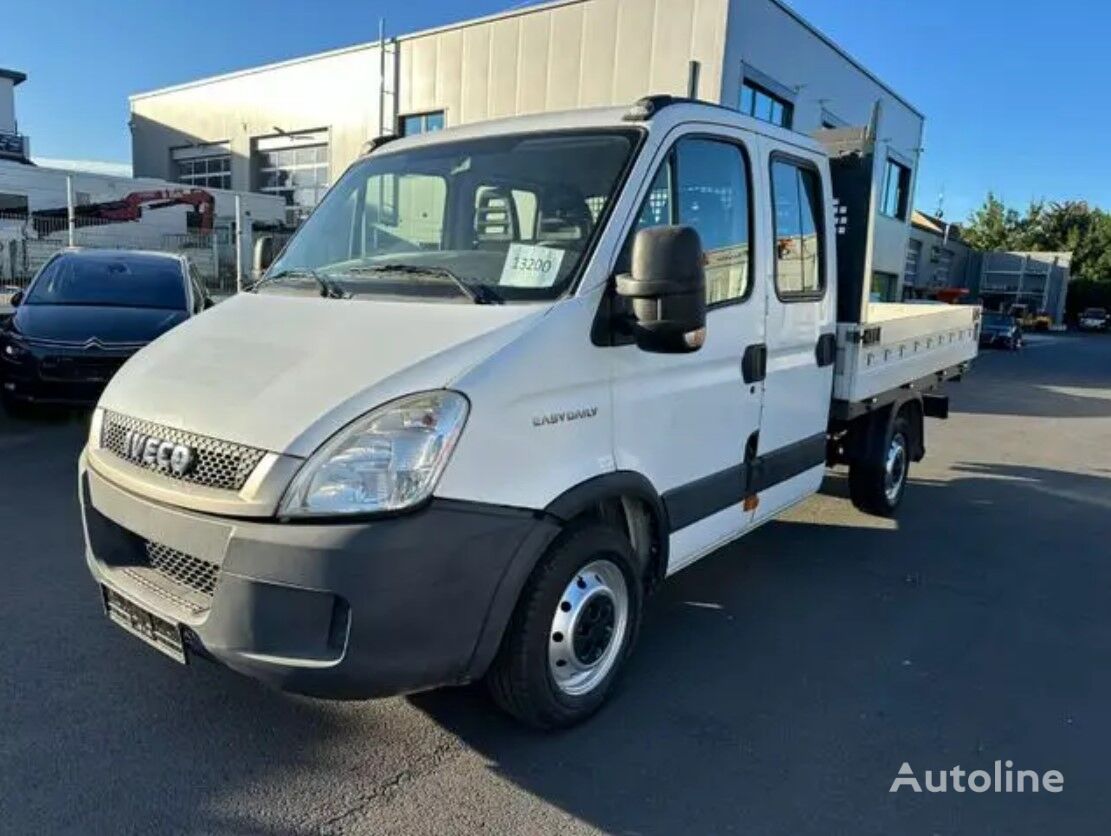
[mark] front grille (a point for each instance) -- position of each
(90, 369)
(218, 464)
(199, 575)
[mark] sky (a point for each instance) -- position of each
(1017, 94)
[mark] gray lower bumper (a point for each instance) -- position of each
(335, 610)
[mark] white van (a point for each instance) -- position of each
(505, 380)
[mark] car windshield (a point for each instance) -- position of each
(498, 219)
(1095, 313)
(998, 320)
(119, 280)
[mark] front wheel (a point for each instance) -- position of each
(574, 626)
(877, 486)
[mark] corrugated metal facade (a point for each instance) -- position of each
(561, 55)
(593, 52)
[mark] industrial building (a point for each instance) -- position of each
(291, 128)
(43, 209)
(940, 264)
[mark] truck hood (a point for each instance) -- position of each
(283, 373)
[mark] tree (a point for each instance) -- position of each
(992, 227)
(1072, 226)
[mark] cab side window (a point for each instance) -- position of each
(704, 183)
(799, 245)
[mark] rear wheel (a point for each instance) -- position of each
(877, 485)
(574, 626)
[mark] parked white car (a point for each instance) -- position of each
(503, 382)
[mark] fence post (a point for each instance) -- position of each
(215, 259)
(69, 208)
(238, 244)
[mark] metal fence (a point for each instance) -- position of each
(27, 241)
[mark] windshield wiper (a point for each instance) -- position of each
(328, 288)
(480, 294)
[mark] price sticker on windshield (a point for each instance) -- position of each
(530, 266)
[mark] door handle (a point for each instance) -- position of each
(754, 363)
(826, 350)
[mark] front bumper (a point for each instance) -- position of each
(995, 338)
(341, 610)
(65, 378)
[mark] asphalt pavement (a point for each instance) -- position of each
(777, 688)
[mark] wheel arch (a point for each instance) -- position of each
(867, 435)
(628, 499)
(624, 498)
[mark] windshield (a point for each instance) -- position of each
(119, 280)
(1095, 313)
(494, 219)
(998, 320)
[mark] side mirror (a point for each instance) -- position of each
(666, 289)
(207, 303)
(263, 254)
(17, 297)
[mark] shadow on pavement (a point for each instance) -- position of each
(1035, 382)
(780, 683)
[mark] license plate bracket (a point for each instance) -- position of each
(164, 636)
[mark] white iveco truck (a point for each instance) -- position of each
(505, 380)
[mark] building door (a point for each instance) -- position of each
(683, 420)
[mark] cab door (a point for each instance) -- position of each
(684, 420)
(800, 340)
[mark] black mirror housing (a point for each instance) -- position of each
(16, 299)
(666, 289)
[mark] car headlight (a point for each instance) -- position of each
(13, 350)
(388, 460)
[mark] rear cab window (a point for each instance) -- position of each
(799, 236)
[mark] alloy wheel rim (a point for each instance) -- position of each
(588, 628)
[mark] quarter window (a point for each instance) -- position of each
(705, 184)
(799, 250)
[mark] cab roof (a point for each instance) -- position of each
(652, 112)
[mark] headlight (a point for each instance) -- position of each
(14, 351)
(388, 460)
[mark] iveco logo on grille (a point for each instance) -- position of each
(158, 453)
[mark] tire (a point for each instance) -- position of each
(870, 487)
(539, 675)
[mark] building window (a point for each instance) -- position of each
(13, 206)
(799, 250)
(421, 123)
(212, 173)
(764, 105)
(295, 168)
(896, 191)
(203, 166)
(914, 253)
